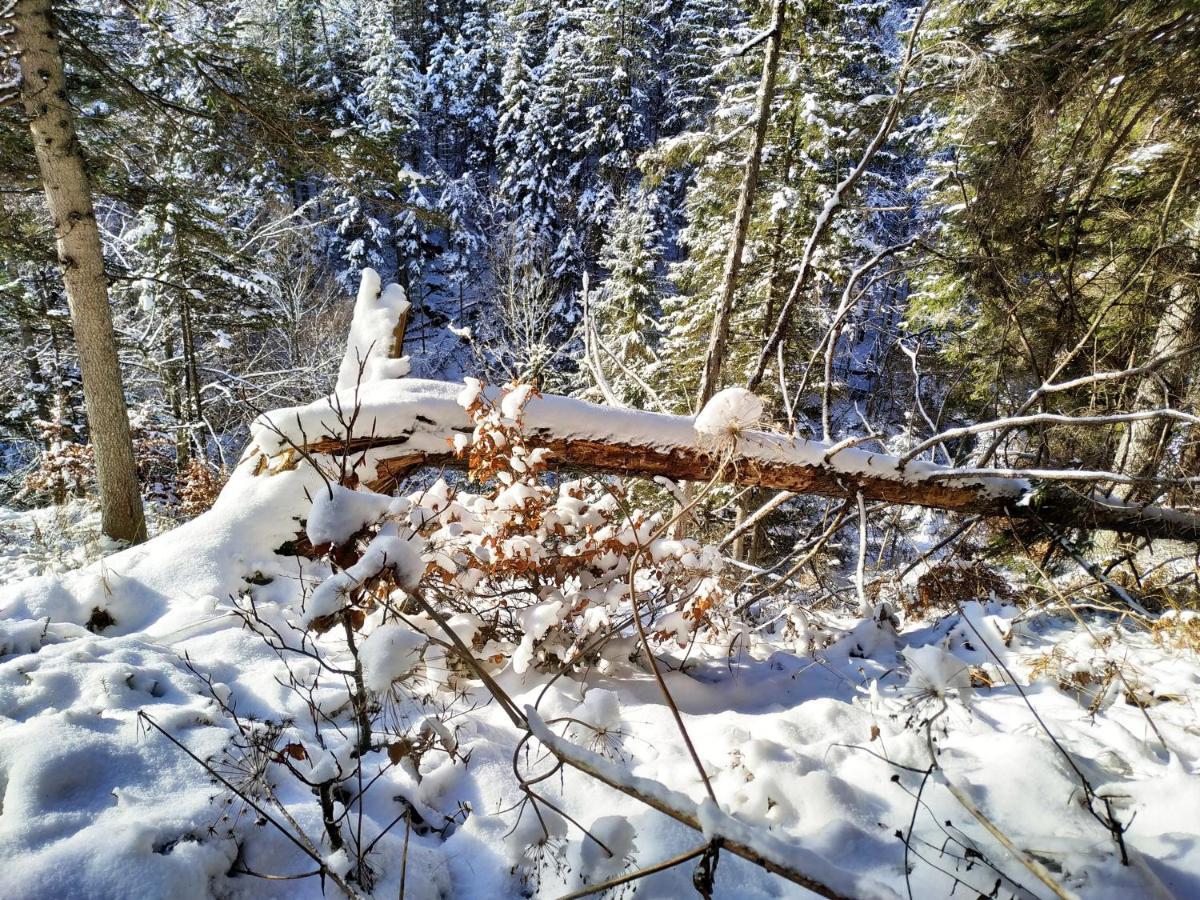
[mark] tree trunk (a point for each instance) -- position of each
(68, 197)
(719, 336)
(194, 437)
(1142, 447)
(172, 374)
(1189, 452)
(1051, 503)
(38, 386)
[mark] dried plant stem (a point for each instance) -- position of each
(602, 886)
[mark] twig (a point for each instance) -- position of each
(307, 851)
(864, 608)
(634, 876)
(641, 630)
(757, 516)
(1035, 868)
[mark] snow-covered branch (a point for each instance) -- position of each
(1045, 419)
(783, 858)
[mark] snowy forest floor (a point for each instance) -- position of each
(46, 539)
(50, 539)
(825, 746)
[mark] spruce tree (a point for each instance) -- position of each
(623, 314)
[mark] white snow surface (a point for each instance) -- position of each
(390, 652)
(805, 743)
(369, 345)
(728, 413)
(338, 512)
(92, 806)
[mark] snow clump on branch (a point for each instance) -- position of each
(369, 349)
(936, 673)
(388, 654)
(727, 415)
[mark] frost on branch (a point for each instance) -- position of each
(370, 351)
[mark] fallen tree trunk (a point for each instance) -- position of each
(404, 425)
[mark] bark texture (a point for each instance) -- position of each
(719, 337)
(1143, 445)
(68, 197)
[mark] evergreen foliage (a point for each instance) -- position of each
(249, 160)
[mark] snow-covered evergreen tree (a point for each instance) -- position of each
(623, 315)
(526, 159)
(834, 72)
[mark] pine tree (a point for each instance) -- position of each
(623, 314)
(690, 41)
(1065, 189)
(390, 86)
(831, 60)
(460, 92)
(526, 160)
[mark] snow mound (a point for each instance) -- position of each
(729, 413)
(368, 350)
(339, 512)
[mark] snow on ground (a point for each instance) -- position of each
(91, 807)
(53, 538)
(97, 805)
(815, 737)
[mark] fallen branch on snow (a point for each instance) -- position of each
(783, 858)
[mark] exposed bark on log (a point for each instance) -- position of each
(396, 351)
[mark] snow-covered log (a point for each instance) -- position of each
(404, 425)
